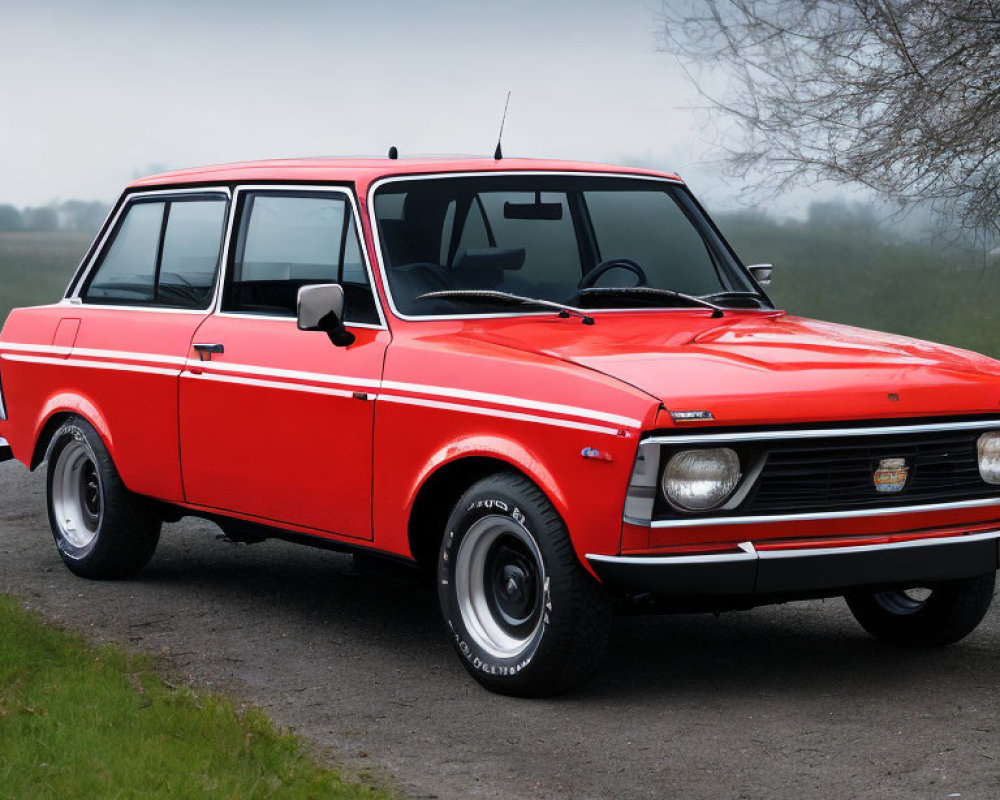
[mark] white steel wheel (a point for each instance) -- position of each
(101, 529)
(77, 496)
(500, 585)
(524, 616)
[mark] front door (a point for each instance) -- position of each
(276, 423)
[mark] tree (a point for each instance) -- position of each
(43, 218)
(899, 95)
(10, 218)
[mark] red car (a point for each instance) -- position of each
(552, 386)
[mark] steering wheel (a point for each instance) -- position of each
(591, 275)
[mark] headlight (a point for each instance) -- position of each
(988, 447)
(699, 480)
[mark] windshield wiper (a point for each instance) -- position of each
(650, 292)
(471, 295)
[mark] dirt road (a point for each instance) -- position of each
(790, 702)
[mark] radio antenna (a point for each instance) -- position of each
(498, 153)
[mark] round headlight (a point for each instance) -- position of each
(988, 448)
(699, 480)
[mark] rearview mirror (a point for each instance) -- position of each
(321, 308)
(761, 273)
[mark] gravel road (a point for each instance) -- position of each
(792, 701)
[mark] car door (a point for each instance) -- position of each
(275, 422)
(128, 325)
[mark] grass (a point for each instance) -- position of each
(83, 722)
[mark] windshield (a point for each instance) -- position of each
(560, 238)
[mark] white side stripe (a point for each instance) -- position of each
(295, 387)
(77, 362)
(273, 372)
(212, 367)
(517, 402)
(496, 412)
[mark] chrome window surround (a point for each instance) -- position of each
(72, 294)
(514, 172)
(3, 407)
(299, 189)
(643, 485)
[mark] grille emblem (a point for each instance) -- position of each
(890, 475)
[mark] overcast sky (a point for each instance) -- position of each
(97, 92)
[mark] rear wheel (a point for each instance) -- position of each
(936, 615)
(526, 618)
(101, 529)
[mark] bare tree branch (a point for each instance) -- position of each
(902, 96)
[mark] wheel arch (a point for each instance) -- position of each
(55, 412)
(449, 476)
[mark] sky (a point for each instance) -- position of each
(98, 92)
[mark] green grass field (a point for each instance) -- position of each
(36, 267)
(83, 722)
(843, 269)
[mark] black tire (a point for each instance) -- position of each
(101, 529)
(950, 612)
(526, 617)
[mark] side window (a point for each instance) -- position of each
(163, 253)
(192, 242)
(288, 241)
(128, 267)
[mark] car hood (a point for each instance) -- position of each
(754, 368)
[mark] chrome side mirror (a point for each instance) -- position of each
(761, 273)
(320, 307)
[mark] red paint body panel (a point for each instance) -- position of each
(291, 443)
(285, 428)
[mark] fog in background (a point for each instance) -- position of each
(99, 92)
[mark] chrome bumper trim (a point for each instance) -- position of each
(692, 522)
(750, 553)
(802, 571)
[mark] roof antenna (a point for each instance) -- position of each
(498, 153)
(393, 153)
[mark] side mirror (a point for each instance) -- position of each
(761, 273)
(321, 308)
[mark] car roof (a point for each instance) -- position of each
(365, 170)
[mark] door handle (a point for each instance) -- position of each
(205, 351)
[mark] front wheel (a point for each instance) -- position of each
(101, 529)
(934, 616)
(526, 618)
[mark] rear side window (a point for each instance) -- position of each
(290, 240)
(162, 252)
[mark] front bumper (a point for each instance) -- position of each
(805, 570)
(5, 451)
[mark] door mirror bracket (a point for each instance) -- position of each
(320, 307)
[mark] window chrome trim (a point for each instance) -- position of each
(506, 173)
(292, 189)
(126, 201)
(751, 553)
(882, 511)
(819, 433)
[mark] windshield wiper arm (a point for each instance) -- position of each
(735, 296)
(650, 291)
(471, 295)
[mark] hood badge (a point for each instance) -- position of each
(890, 477)
(691, 416)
